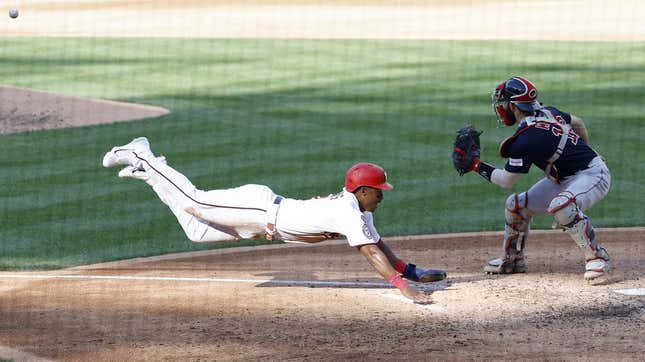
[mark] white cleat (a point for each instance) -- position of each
(127, 154)
(138, 172)
(596, 268)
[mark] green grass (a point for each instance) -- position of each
(294, 115)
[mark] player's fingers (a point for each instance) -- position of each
(422, 298)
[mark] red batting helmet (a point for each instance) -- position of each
(366, 174)
(519, 91)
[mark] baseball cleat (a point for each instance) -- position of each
(505, 266)
(127, 154)
(138, 172)
(596, 268)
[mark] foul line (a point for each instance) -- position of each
(634, 291)
(308, 283)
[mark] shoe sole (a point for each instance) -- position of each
(131, 172)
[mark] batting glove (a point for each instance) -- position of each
(423, 276)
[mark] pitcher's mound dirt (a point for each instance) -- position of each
(23, 110)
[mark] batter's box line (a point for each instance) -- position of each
(261, 282)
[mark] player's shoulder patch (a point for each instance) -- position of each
(515, 162)
(366, 229)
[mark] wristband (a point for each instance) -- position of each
(398, 281)
(485, 170)
(400, 266)
(475, 165)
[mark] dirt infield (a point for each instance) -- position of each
(23, 110)
(323, 302)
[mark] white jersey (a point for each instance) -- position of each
(325, 218)
(247, 211)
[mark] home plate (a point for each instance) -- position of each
(635, 291)
(431, 307)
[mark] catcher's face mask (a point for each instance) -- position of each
(500, 106)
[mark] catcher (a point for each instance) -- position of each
(252, 211)
(576, 177)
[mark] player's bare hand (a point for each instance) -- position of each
(416, 295)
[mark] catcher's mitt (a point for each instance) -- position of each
(466, 149)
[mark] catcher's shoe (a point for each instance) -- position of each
(505, 266)
(596, 268)
(127, 154)
(137, 172)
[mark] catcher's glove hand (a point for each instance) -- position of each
(466, 149)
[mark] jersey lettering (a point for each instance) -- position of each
(336, 196)
(557, 131)
(573, 137)
(543, 125)
(560, 119)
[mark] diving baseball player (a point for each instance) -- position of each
(252, 211)
(576, 177)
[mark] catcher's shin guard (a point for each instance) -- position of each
(577, 224)
(516, 231)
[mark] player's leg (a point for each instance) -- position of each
(582, 191)
(516, 230)
(173, 188)
(178, 193)
(216, 215)
(518, 213)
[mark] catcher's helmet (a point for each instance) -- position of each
(519, 91)
(366, 174)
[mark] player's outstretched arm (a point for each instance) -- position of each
(381, 264)
(410, 271)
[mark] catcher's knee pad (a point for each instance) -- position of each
(518, 219)
(516, 212)
(564, 209)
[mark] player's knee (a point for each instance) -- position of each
(516, 202)
(563, 209)
(516, 213)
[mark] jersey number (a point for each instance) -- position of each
(557, 131)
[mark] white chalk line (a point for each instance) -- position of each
(17, 355)
(431, 307)
(308, 283)
(633, 291)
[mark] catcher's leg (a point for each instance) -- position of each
(566, 212)
(516, 230)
